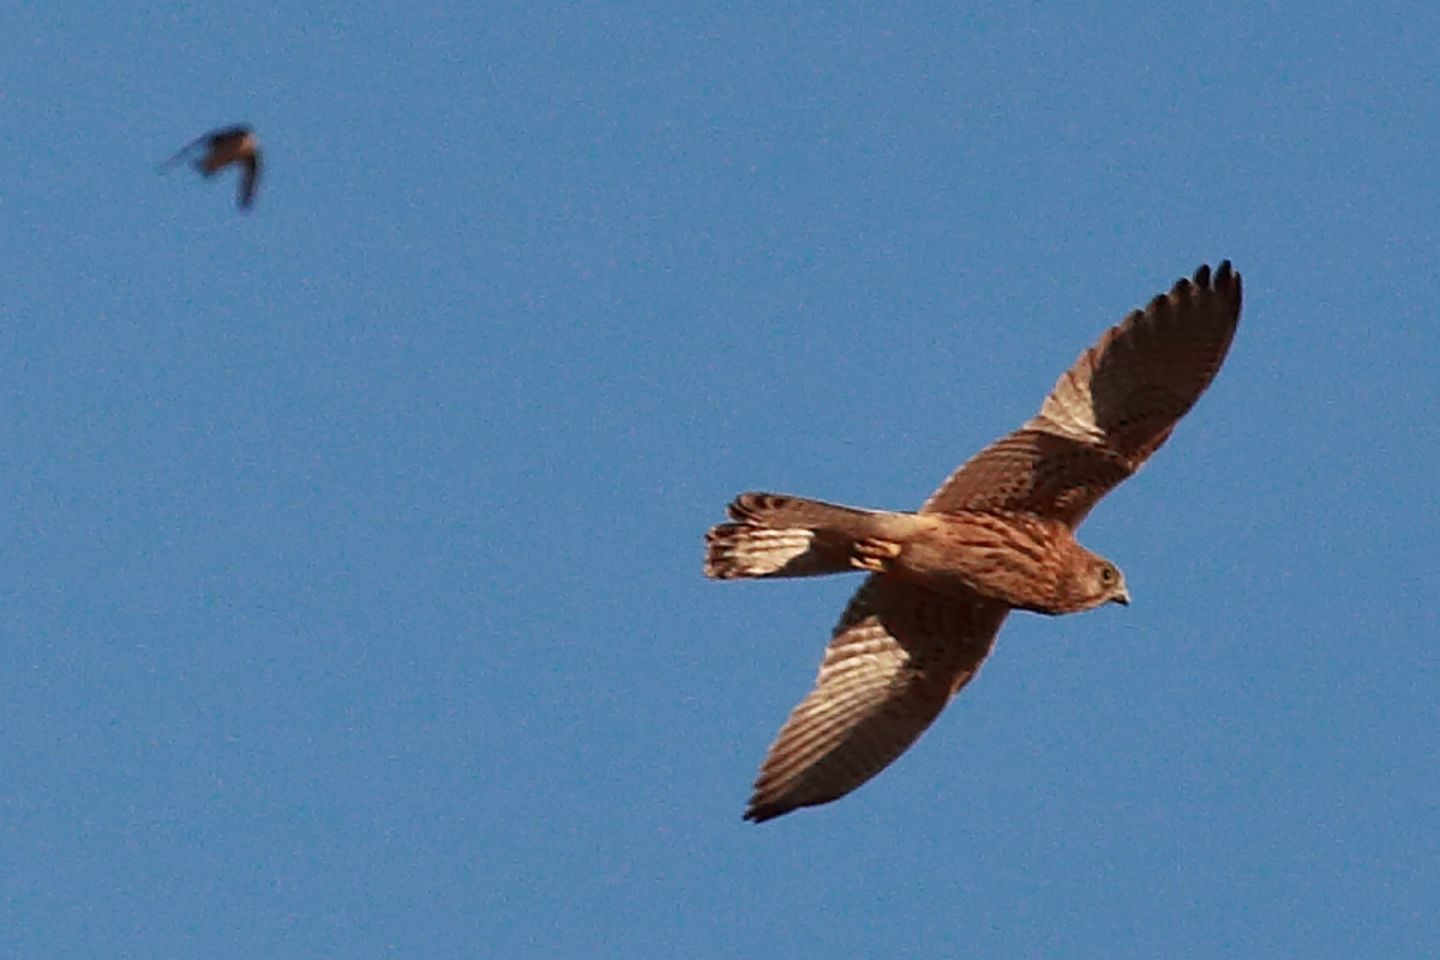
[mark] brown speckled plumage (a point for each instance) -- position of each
(998, 535)
(236, 145)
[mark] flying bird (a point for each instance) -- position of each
(999, 535)
(237, 145)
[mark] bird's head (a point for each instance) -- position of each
(1095, 581)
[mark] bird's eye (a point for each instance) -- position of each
(1107, 574)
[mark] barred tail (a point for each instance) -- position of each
(781, 536)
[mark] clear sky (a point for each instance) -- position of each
(350, 591)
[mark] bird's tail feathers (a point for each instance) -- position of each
(774, 535)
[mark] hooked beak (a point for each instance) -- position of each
(1122, 598)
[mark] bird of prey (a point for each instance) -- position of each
(237, 145)
(999, 535)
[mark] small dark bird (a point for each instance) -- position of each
(223, 147)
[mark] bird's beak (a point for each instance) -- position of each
(1122, 598)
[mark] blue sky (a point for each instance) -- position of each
(350, 602)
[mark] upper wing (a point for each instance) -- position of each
(897, 656)
(250, 180)
(183, 152)
(215, 138)
(1110, 411)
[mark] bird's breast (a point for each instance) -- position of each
(1014, 558)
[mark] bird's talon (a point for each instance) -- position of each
(874, 555)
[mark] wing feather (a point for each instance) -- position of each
(1110, 411)
(249, 181)
(897, 656)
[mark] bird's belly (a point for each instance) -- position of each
(1014, 574)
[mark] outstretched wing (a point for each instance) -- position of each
(250, 180)
(1110, 411)
(897, 656)
(183, 152)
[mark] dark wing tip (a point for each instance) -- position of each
(760, 812)
(248, 182)
(1161, 305)
(1229, 281)
(1223, 280)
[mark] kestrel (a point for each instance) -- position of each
(236, 145)
(998, 535)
